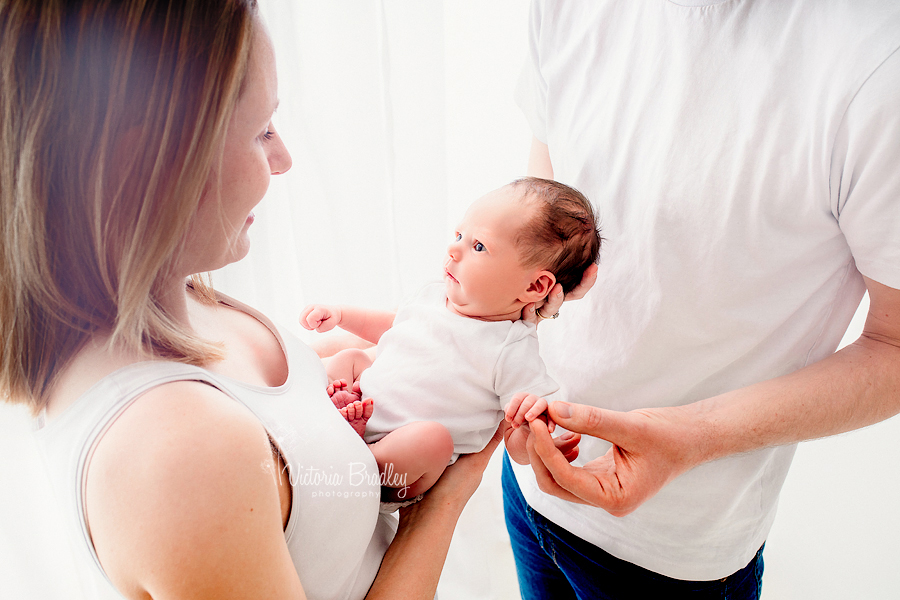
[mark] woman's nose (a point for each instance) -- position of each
(280, 160)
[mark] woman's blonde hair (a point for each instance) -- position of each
(91, 224)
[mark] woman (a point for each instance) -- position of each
(193, 447)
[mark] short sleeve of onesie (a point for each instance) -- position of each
(865, 174)
(519, 367)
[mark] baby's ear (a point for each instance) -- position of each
(540, 287)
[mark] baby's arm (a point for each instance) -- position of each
(521, 410)
(370, 325)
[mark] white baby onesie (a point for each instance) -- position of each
(435, 365)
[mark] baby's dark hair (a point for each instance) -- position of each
(563, 236)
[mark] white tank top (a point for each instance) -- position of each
(333, 474)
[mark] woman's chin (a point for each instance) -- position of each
(237, 252)
(240, 251)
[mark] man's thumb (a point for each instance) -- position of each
(590, 420)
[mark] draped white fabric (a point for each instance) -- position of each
(399, 113)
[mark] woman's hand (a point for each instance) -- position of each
(412, 566)
(536, 312)
(650, 448)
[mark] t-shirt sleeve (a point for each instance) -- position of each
(521, 369)
(865, 174)
(531, 89)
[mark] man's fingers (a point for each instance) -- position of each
(561, 478)
(572, 454)
(567, 444)
(608, 425)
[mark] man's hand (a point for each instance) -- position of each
(523, 409)
(650, 448)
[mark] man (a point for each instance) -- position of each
(743, 156)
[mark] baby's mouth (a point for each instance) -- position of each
(448, 274)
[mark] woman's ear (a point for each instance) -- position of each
(539, 287)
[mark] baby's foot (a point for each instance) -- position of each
(340, 395)
(358, 414)
(336, 385)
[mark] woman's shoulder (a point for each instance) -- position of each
(181, 485)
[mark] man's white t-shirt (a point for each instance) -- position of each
(435, 365)
(744, 158)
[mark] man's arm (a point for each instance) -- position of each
(856, 386)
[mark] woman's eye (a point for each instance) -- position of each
(479, 247)
(269, 134)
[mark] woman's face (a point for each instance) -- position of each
(218, 234)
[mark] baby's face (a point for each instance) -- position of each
(483, 272)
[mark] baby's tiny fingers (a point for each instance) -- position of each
(537, 408)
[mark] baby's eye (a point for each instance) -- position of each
(458, 236)
(479, 247)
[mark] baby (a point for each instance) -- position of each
(458, 352)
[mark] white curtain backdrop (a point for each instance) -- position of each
(399, 113)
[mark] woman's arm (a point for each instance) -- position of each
(183, 501)
(413, 563)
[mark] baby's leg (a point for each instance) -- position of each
(347, 365)
(412, 458)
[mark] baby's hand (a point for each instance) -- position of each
(526, 407)
(321, 318)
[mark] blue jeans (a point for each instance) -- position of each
(553, 563)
